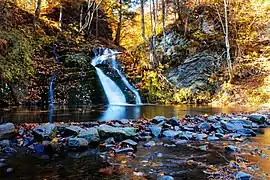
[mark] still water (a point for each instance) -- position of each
(112, 112)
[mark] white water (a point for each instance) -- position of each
(112, 91)
(124, 79)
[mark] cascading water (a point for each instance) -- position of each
(116, 66)
(109, 56)
(112, 91)
(51, 96)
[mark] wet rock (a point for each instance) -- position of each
(186, 135)
(123, 121)
(171, 133)
(158, 119)
(188, 128)
(155, 130)
(116, 132)
(232, 125)
(42, 132)
(203, 148)
(180, 142)
(39, 148)
(150, 144)
(9, 150)
(130, 142)
(257, 118)
(231, 148)
(200, 137)
(165, 178)
(220, 135)
(212, 138)
(91, 135)
(110, 140)
(204, 126)
(212, 119)
(123, 150)
(5, 143)
(173, 121)
(242, 176)
(246, 132)
(73, 130)
(216, 125)
(7, 130)
(77, 142)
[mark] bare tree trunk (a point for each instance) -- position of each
(164, 23)
(142, 20)
(97, 23)
(60, 18)
(153, 38)
(119, 24)
(37, 13)
(81, 16)
(228, 57)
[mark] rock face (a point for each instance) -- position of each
(6, 130)
(195, 71)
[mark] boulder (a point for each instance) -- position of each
(73, 130)
(47, 131)
(171, 133)
(6, 130)
(130, 142)
(77, 143)
(173, 121)
(116, 132)
(204, 126)
(5, 143)
(91, 135)
(158, 119)
(258, 118)
(155, 130)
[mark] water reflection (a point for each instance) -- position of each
(117, 112)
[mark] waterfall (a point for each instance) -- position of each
(109, 56)
(112, 91)
(116, 66)
(51, 96)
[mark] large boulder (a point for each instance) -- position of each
(91, 135)
(47, 131)
(258, 118)
(194, 73)
(6, 130)
(116, 132)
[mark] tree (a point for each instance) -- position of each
(37, 12)
(228, 57)
(142, 20)
(118, 31)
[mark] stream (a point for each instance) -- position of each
(178, 161)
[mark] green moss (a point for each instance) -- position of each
(16, 62)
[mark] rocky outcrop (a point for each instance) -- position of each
(195, 71)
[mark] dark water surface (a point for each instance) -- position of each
(113, 112)
(149, 161)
